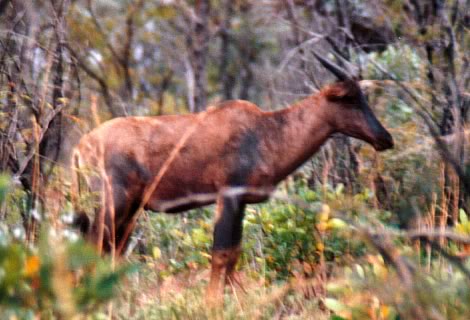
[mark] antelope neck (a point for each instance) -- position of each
(301, 129)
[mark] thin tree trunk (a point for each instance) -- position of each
(50, 145)
(198, 42)
(227, 80)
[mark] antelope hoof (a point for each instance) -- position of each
(214, 300)
(235, 283)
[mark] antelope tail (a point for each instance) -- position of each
(81, 220)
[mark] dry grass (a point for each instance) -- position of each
(183, 297)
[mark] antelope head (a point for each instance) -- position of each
(348, 110)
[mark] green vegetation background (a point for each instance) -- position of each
(352, 235)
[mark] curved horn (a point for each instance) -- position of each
(351, 69)
(333, 68)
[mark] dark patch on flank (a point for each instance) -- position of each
(125, 169)
(247, 157)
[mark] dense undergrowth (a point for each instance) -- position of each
(355, 235)
(308, 254)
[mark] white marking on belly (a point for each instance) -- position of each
(201, 198)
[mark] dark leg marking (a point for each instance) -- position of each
(227, 237)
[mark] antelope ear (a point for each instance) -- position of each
(341, 91)
(335, 92)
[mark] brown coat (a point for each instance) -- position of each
(197, 157)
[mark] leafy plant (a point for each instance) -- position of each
(57, 278)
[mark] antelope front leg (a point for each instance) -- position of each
(226, 249)
(230, 274)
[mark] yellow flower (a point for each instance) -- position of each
(156, 252)
(32, 265)
(321, 226)
(325, 213)
(385, 311)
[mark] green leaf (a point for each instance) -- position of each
(335, 288)
(360, 271)
(164, 12)
(106, 285)
(339, 189)
(200, 236)
(337, 224)
(463, 217)
(4, 187)
(334, 305)
(156, 252)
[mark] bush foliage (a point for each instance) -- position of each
(354, 234)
